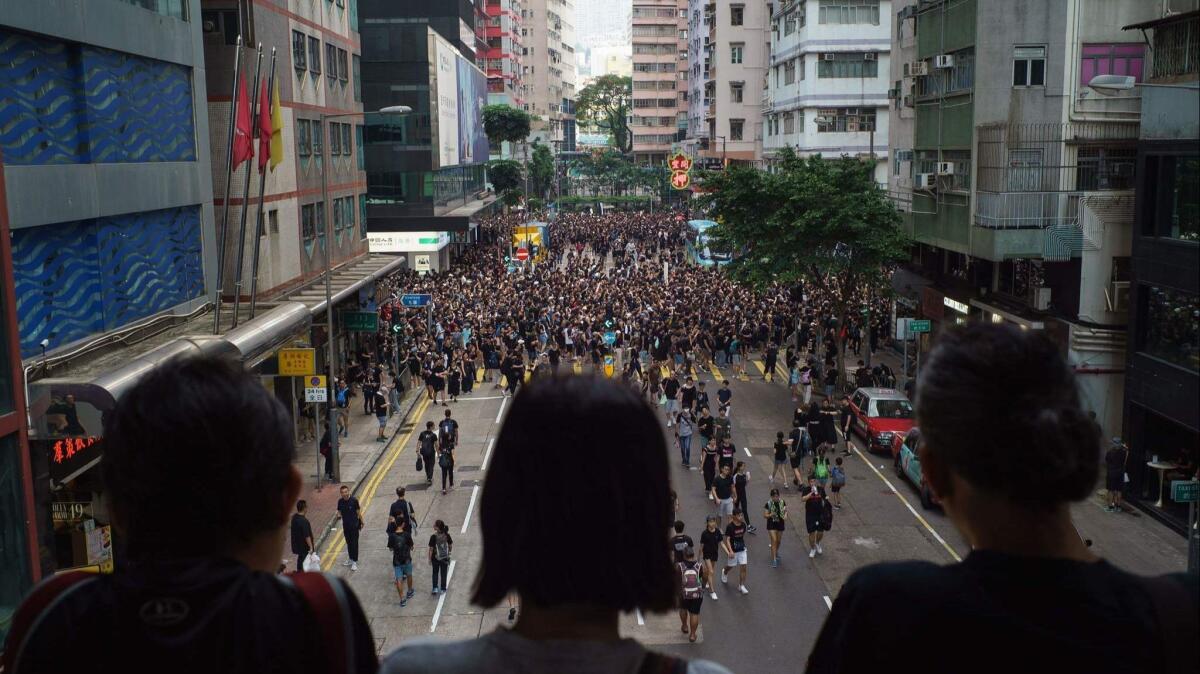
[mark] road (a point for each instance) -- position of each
(768, 630)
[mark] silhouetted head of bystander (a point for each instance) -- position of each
(578, 455)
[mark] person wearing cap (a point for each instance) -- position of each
(1114, 479)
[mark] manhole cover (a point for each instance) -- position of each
(465, 469)
(469, 483)
(416, 486)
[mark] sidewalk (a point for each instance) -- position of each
(359, 453)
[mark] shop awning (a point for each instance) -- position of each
(1028, 323)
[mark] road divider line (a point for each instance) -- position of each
(716, 373)
(437, 614)
(828, 603)
(747, 451)
(938, 537)
(487, 455)
(467, 400)
(500, 414)
(470, 509)
(335, 546)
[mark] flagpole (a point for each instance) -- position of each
(241, 251)
(262, 188)
(221, 236)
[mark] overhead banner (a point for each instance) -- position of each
(443, 87)
(472, 96)
(407, 242)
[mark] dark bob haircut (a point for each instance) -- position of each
(1000, 408)
(578, 455)
(197, 458)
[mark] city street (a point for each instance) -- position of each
(771, 629)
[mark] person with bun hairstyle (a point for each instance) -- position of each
(1007, 447)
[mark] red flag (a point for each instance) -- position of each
(264, 127)
(243, 144)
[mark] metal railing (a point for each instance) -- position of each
(1176, 49)
(1026, 210)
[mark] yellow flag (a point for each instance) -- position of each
(276, 129)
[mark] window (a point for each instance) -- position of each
(847, 64)
(343, 68)
(1029, 67)
(736, 14)
(357, 79)
(735, 128)
(789, 123)
(1111, 59)
(789, 72)
(272, 222)
(735, 91)
(358, 133)
(298, 51)
(303, 137)
(335, 139)
(347, 149)
(317, 137)
(735, 52)
(1168, 323)
(845, 120)
(362, 216)
(331, 62)
(1025, 170)
(849, 11)
(1172, 197)
(314, 56)
(1105, 168)
(308, 222)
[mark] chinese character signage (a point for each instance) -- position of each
(297, 362)
(681, 167)
(70, 456)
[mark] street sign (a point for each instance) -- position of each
(360, 321)
(918, 326)
(415, 300)
(609, 366)
(1185, 491)
(314, 389)
(610, 338)
(422, 263)
(902, 331)
(297, 362)
(522, 254)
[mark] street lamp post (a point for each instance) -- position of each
(331, 355)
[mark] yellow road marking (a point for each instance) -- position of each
(762, 369)
(716, 373)
(479, 375)
(578, 367)
(334, 548)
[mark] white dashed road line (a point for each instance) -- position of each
(437, 614)
(747, 451)
(828, 603)
(500, 414)
(487, 455)
(470, 509)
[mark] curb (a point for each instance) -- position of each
(368, 468)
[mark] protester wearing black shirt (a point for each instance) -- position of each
(722, 492)
(680, 542)
(352, 524)
(813, 496)
(400, 510)
(401, 544)
(302, 535)
(1114, 474)
(427, 445)
(735, 550)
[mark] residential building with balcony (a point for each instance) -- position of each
(901, 115)
(1162, 380)
(827, 86)
(727, 57)
(548, 70)
(658, 117)
(502, 60)
(1018, 184)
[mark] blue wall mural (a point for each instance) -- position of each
(74, 279)
(67, 103)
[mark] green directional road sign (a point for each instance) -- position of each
(1185, 491)
(917, 325)
(360, 321)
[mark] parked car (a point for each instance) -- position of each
(907, 461)
(880, 414)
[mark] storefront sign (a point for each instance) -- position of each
(71, 456)
(407, 242)
(422, 263)
(360, 321)
(1185, 491)
(70, 511)
(956, 305)
(297, 362)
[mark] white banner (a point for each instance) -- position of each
(444, 95)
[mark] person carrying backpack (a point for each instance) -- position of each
(838, 475)
(427, 446)
(691, 584)
(440, 545)
(820, 470)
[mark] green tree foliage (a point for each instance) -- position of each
(505, 123)
(823, 222)
(604, 104)
(541, 170)
(505, 174)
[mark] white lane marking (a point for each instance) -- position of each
(747, 451)
(828, 603)
(500, 414)
(908, 505)
(467, 400)
(487, 455)
(437, 614)
(470, 509)
(641, 620)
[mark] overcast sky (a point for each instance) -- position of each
(601, 19)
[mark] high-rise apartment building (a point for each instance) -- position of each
(502, 60)
(548, 70)
(727, 58)
(828, 79)
(660, 78)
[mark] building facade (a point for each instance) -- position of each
(317, 70)
(827, 87)
(727, 58)
(660, 78)
(548, 71)
(502, 60)
(1162, 389)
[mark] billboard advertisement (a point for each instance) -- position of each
(458, 91)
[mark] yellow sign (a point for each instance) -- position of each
(315, 381)
(609, 366)
(297, 362)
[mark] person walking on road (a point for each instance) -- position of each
(708, 466)
(705, 425)
(725, 399)
(691, 584)
(837, 481)
(722, 492)
(780, 460)
(798, 446)
(735, 550)
(302, 535)
(741, 477)
(820, 467)
(381, 411)
(1115, 460)
(725, 453)
(775, 512)
(352, 524)
(710, 544)
(684, 429)
(440, 547)
(446, 463)
(427, 445)
(813, 496)
(680, 541)
(401, 544)
(401, 509)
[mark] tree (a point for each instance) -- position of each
(505, 123)
(505, 174)
(541, 170)
(817, 221)
(605, 104)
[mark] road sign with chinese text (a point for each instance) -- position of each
(415, 300)
(297, 362)
(916, 326)
(360, 321)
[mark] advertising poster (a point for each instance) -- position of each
(472, 96)
(444, 91)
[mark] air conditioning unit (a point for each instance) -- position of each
(870, 56)
(945, 168)
(926, 181)
(828, 56)
(909, 12)
(918, 68)
(1039, 298)
(908, 102)
(893, 94)
(943, 61)
(1116, 296)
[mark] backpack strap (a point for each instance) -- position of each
(326, 599)
(40, 603)
(657, 663)
(1175, 608)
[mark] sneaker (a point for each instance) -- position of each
(774, 563)
(1109, 509)
(354, 566)
(752, 529)
(1118, 509)
(404, 602)
(743, 590)
(819, 550)
(714, 596)
(409, 594)
(512, 614)
(435, 591)
(724, 577)
(812, 553)
(347, 563)
(837, 507)
(710, 496)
